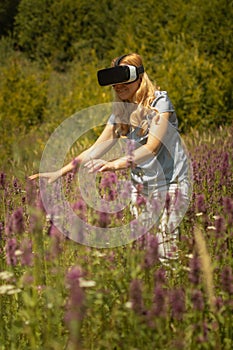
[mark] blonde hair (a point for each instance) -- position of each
(128, 114)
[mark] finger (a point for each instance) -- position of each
(32, 177)
(91, 163)
(104, 168)
(94, 168)
(88, 164)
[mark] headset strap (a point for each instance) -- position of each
(140, 69)
(118, 60)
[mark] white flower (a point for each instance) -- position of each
(18, 252)
(14, 291)
(216, 217)
(199, 214)
(211, 228)
(98, 254)
(128, 305)
(6, 275)
(190, 256)
(86, 284)
(5, 288)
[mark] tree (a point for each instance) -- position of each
(8, 10)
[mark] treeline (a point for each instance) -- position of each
(50, 51)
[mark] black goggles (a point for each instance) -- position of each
(124, 74)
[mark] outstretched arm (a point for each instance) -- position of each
(157, 132)
(104, 142)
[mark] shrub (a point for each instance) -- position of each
(23, 102)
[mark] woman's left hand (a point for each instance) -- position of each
(98, 165)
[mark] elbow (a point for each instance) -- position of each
(153, 149)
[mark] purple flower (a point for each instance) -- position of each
(228, 209)
(200, 203)
(69, 179)
(31, 192)
(16, 186)
(194, 273)
(218, 303)
(151, 256)
(136, 296)
(177, 302)
(228, 205)
(27, 279)
(141, 200)
(1, 229)
(26, 249)
(126, 190)
(108, 179)
(104, 218)
(137, 229)
(159, 306)
(197, 299)
(219, 225)
(11, 247)
(80, 208)
(225, 164)
(227, 279)
(18, 221)
(56, 241)
(108, 185)
(204, 333)
(9, 227)
(75, 303)
(2, 180)
(160, 275)
(73, 275)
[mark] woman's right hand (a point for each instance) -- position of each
(52, 176)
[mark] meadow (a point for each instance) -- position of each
(57, 294)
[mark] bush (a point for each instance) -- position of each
(23, 102)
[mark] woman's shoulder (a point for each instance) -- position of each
(162, 102)
(160, 95)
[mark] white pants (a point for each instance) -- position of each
(163, 211)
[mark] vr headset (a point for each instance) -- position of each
(119, 74)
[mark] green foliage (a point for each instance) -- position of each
(22, 103)
(186, 47)
(8, 10)
(46, 305)
(59, 31)
(196, 86)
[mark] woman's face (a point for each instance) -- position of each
(126, 92)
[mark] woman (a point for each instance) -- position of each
(158, 161)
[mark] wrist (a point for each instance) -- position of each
(75, 163)
(124, 163)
